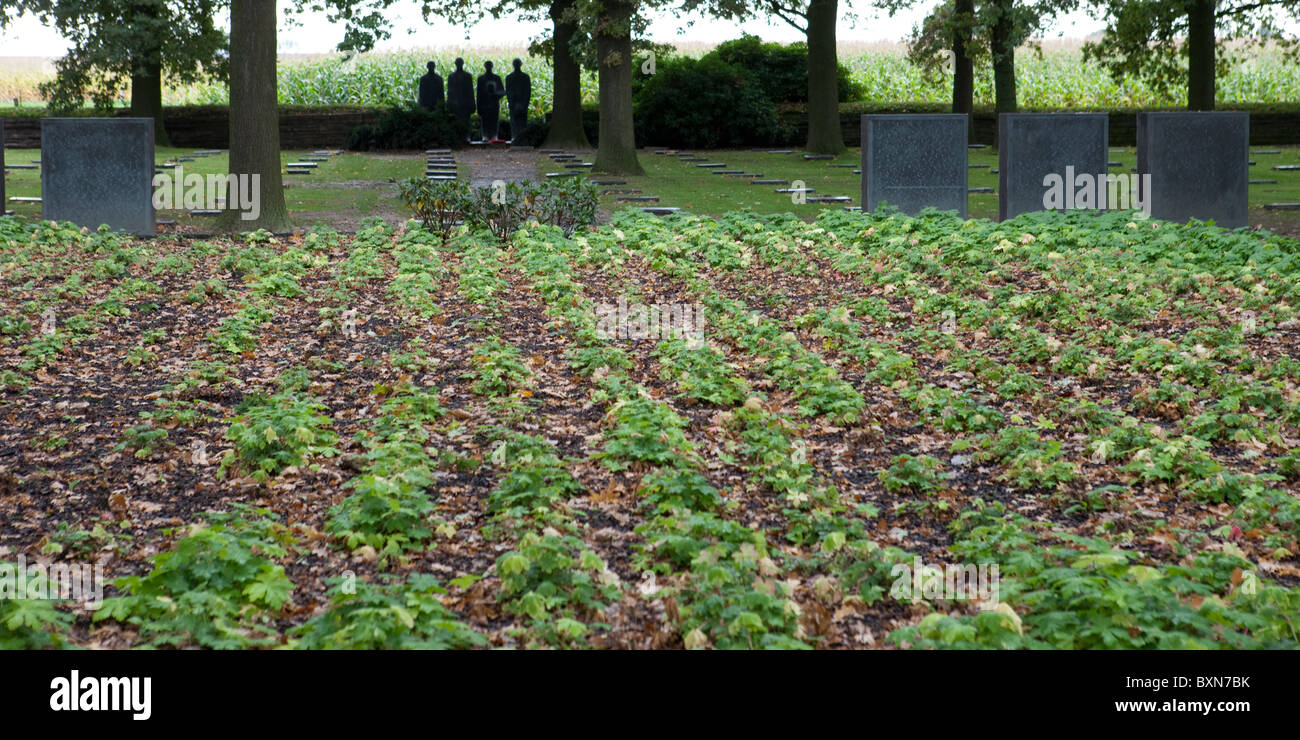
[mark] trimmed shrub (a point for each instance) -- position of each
(409, 126)
(706, 104)
(781, 71)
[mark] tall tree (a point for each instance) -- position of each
(566, 131)
(121, 43)
(254, 115)
(1163, 41)
(963, 65)
(817, 20)
(1005, 34)
(616, 149)
(988, 31)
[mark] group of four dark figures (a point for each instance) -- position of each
(461, 96)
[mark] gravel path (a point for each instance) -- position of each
(488, 165)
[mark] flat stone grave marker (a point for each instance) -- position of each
(1282, 206)
(845, 165)
(580, 165)
(615, 191)
(977, 167)
(853, 209)
(440, 178)
(780, 151)
(1287, 167)
(817, 157)
(696, 159)
(609, 182)
(711, 165)
(98, 171)
(661, 210)
(315, 158)
(914, 161)
(303, 165)
(563, 174)
(977, 146)
(205, 212)
(796, 190)
(744, 174)
(1209, 180)
(829, 199)
(24, 199)
(440, 151)
(768, 182)
(1266, 151)
(727, 172)
(1263, 182)
(980, 190)
(23, 166)
(1035, 147)
(638, 199)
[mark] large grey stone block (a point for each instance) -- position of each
(98, 171)
(914, 161)
(1198, 163)
(1034, 146)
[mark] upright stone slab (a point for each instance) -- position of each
(98, 171)
(915, 161)
(1198, 163)
(1032, 146)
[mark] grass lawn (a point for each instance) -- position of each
(692, 188)
(341, 191)
(353, 186)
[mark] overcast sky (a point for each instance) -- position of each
(316, 35)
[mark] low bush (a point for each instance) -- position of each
(566, 203)
(705, 104)
(409, 126)
(781, 71)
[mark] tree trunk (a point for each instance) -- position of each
(963, 72)
(1200, 55)
(1004, 58)
(146, 69)
(566, 130)
(616, 150)
(824, 134)
(254, 116)
(146, 98)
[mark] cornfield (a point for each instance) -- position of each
(1057, 78)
